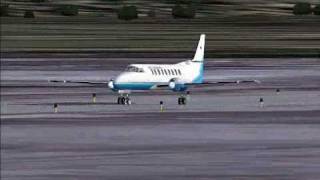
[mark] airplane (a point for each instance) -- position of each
(176, 77)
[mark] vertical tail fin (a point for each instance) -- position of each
(199, 56)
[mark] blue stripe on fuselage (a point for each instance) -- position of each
(133, 86)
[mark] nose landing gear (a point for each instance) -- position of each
(124, 100)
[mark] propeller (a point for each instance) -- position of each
(172, 84)
(110, 84)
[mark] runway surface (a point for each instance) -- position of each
(223, 133)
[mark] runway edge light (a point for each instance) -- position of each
(161, 106)
(55, 107)
(94, 97)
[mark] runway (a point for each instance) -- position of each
(223, 133)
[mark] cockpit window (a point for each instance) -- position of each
(134, 69)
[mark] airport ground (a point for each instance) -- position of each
(223, 132)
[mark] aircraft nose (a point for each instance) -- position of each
(121, 78)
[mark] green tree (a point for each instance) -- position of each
(28, 14)
(128, 13)
(179, 11)
(69, 10)
(316, 10)
(302, 8)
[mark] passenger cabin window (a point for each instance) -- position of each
(134, 69)
(165, 71)
(172, 72)
(162, 72)
(153, 71)
(175, 72)
(179, 71)
(158, 71)
(169, 72)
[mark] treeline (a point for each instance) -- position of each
(65, 10)
(125, 12)
(180, 9)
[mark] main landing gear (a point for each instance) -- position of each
(182, 100)
(125, 100)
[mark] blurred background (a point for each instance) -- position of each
(160, 28)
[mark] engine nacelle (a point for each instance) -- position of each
(176, 85)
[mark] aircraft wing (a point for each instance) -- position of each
(212, 83)
(80, 82)
(225, 82)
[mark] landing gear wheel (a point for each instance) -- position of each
(182, 101)
(127, 101)
(123, 100)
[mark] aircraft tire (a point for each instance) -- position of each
(183, 100)
(127, 101)
(123, 100)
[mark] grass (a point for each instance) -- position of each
(233, 28)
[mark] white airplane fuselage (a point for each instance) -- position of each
(150, 76)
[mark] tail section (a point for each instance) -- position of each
(198, 60)
(199, 56)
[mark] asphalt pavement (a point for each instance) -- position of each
(222, 133)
